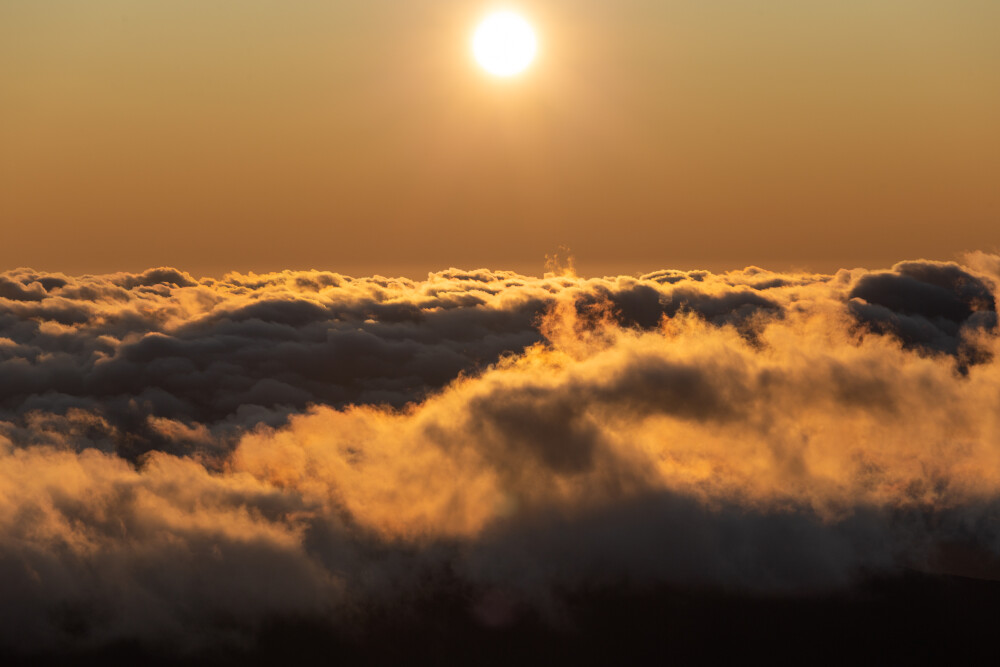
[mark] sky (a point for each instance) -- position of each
(361, 138)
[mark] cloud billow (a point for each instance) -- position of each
(183, 459)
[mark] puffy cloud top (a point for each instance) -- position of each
(181, 459)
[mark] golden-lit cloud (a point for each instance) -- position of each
(183, 458)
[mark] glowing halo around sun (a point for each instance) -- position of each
(504, 44)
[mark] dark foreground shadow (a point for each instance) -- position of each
(910, 619)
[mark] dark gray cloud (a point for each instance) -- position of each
(929, 306)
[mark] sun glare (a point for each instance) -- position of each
(504, 44)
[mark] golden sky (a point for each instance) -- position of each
(360, 137)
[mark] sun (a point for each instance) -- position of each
(504, 44)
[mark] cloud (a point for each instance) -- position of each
(182, 460)
(926, 305)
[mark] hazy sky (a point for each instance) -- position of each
(360, 137)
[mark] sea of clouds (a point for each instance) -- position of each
(182, 459)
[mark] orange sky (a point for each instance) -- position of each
(359, 137)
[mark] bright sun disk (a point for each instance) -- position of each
(504, 44)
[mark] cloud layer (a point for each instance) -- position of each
(182, 459)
